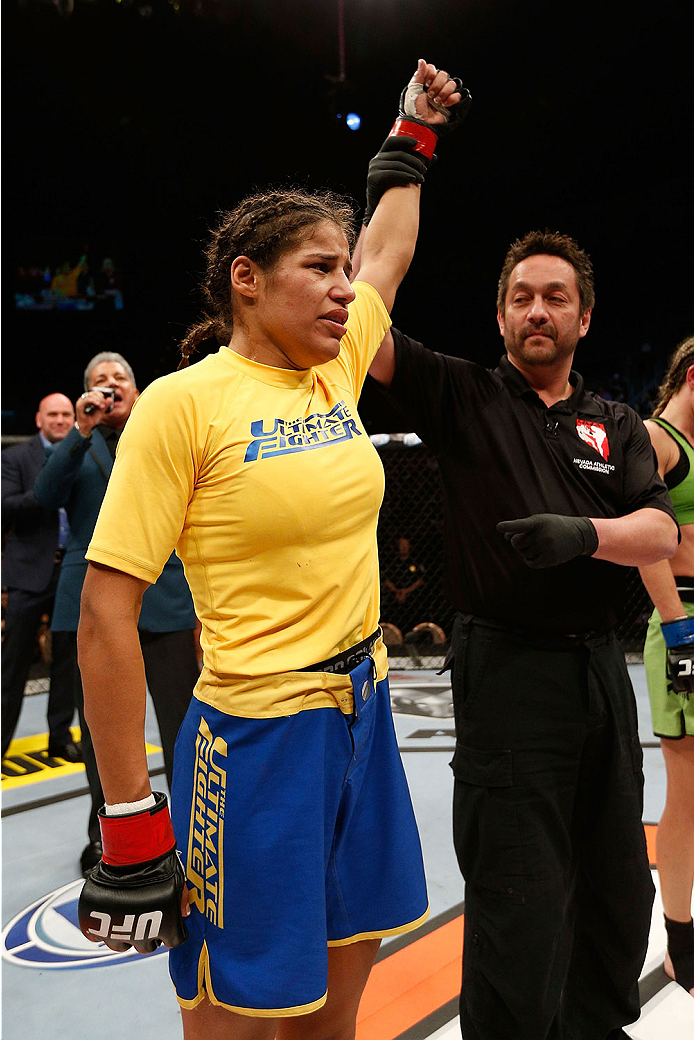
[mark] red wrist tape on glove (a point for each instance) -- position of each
(137, 838)
(426, 138)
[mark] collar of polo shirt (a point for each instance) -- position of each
(517, 385)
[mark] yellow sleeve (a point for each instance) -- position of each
(367, 324)
(144, 510)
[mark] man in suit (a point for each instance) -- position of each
(31, 565)
(75, 476)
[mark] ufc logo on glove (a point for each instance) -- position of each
(139, 883)
(147, 926)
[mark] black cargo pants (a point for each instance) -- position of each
(548, 800)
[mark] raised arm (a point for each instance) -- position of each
(389, 241)
(404, 161)
(382, 368)
(432, 103)
(54, 483)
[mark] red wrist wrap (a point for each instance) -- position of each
(426, 138)
(143, 836)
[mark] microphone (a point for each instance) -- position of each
(107, 391)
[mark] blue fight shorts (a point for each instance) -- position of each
(296, 833)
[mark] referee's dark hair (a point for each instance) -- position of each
(263, 227)
(551, 243)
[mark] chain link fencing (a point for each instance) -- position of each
(417, 623)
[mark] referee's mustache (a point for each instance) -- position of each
(539, 329)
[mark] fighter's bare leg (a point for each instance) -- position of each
(675, 838)
(348, 971)
(210, 1022)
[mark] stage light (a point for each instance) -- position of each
(353, 120)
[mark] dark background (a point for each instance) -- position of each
(129, 124)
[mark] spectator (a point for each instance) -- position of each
(108, 284)
(76, 477)
(31, 566)
(108, 278)
(85, 282)
(64, 282)
(401, 588)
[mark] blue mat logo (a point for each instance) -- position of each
(46, 935)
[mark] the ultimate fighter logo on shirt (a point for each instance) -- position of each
(594, 434)
(316, 431)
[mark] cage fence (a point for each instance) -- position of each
(415, 617)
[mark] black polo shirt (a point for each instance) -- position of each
(504, 454)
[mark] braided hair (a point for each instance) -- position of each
(263, 227)
(676, 375)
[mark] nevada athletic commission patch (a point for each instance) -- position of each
(594, 434)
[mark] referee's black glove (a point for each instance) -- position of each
(547, 539)
(408, 151)
(396, 164)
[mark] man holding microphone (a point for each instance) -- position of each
(75, 477)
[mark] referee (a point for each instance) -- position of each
(549, 493)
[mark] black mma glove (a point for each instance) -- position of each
(547, 539)
(408, 151)
(133, 896)
(679, 640)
